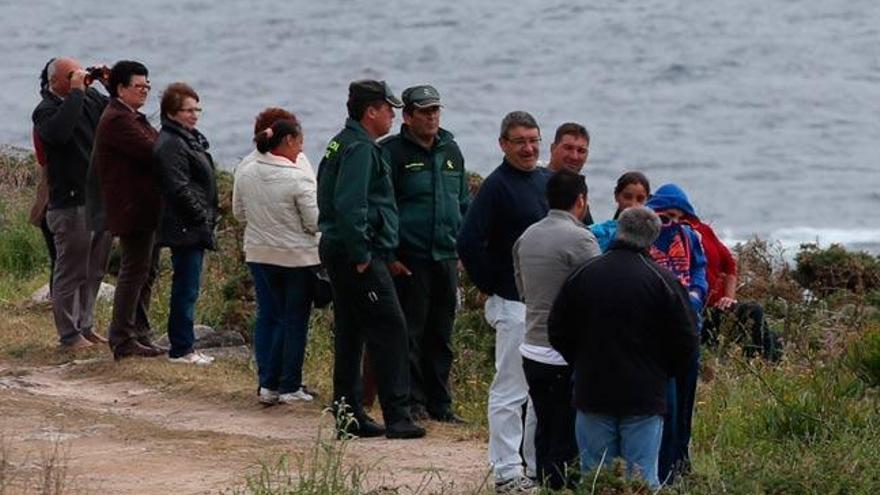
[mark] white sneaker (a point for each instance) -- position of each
(517, 484)
(267, 396)
(299, 395)
(204, 356)
(191, 358)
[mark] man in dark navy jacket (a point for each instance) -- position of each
(509, 201)
(625, 325)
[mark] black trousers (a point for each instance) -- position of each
(749, 330)
(550, 388)
(428, 301)
(366, 311)
(138, 269)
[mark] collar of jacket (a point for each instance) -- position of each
(278, 161)
(357, 127)
(122, 106)
(515, 170)
(192, 136)
(564, 215)
(617, 244)
(443, 137)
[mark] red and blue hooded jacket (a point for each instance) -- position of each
(678, 248)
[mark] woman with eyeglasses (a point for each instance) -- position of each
(186, 179)
(275, 193)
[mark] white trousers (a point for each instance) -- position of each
(509, 392)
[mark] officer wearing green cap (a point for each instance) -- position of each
(358, 220)
(430, 186)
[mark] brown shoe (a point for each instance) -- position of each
(135, 349)
(94, 338)
(77, 344)
(152, 345)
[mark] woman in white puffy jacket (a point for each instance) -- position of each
(275, 193)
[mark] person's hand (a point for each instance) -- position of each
(77, 79)
(725, 303)
(397, 269)
(362, 267)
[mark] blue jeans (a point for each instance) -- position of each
(636, 439)
(185, 280)
(284, 304)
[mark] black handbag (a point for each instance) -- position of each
(322, 292)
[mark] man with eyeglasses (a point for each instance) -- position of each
(510, 200)
(570, 150)
(123, 164)
(430, 185)
(64, 123)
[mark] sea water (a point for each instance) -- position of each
(765, 112)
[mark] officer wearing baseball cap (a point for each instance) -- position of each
(358, 220)
(430, 185)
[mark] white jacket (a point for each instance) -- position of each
(278, 200)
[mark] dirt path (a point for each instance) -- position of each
(126, 438)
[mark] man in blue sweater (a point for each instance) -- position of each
(509, 201)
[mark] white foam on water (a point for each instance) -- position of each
(791, 238)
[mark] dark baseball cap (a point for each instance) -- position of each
(422, 96)
(371, 90)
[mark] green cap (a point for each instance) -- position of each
(371, 90)
(423, 96)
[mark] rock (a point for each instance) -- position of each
(106, 292)
(207, 338)
(41, 295)
(241, 352)
(225, 338)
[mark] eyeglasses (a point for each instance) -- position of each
(521, 142)
(142, 87)
(194, 110)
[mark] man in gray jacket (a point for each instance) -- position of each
(543, 258)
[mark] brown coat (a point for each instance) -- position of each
(123, 158)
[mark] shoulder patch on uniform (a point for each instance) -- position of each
(332, 148)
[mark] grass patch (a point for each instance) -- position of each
(808, 424)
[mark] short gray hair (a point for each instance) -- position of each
(517, 118)
(638, 226)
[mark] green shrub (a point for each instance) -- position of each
(864, 357)
(22, 250)
(824, 271)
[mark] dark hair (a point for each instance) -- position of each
(357, 107)
(268, 141)
(271, 115)
(122, 72)
(44, 76)
(563, 189)
(632, 178)
(173, 96)
(517, 118)
(572, 129)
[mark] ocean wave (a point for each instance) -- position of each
(791, 238)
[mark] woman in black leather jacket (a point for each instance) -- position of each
(185, 174)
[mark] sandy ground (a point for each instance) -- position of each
(125, 438)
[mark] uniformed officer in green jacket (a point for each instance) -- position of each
(430, 185)
(358, 221)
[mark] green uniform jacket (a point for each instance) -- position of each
(432, 193)
(358, 216)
